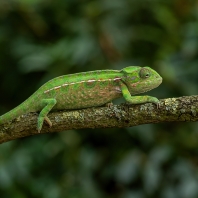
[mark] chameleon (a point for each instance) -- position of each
(88, 89)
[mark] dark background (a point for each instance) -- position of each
(42, 39)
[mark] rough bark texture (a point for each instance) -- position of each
(182, 109)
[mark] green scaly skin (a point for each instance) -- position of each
(88, 89)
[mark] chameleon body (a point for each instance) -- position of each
(88, 89)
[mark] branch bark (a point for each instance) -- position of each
(182, 109)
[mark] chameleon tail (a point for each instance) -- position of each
(21, 109)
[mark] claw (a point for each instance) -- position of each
(158, 105)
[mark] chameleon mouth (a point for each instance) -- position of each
(158, 81)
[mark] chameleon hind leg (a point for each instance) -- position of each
(47, 104)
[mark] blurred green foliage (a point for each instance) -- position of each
(42, 39)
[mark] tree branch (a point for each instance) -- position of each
(180, 109)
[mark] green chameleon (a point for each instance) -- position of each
(88, 89)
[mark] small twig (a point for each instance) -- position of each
(181, 109)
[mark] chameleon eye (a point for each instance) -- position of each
(144, 73)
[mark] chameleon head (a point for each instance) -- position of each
(140, 79)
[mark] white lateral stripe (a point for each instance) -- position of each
(57, 87)
(83, 81)
(91, 80)
(117, 78)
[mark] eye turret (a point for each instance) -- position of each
(144, 73)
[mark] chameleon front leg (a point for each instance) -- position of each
(137, 99)
(47, 104)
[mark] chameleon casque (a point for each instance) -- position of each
(88, 89)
